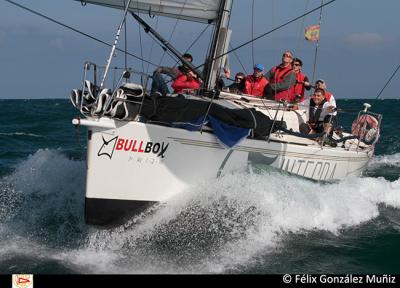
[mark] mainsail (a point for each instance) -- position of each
(192, 10)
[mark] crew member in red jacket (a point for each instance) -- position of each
(302, 82)
(255, 84)
(186, 82)
(281, 78)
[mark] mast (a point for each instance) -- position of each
(218, 46)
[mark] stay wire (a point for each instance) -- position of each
(317, 44)
(301, 32)
(238, 59)
(125, 45)
(141, 53)
(387, 83)
(173, 31)
(75, 30)
(194, 42)
(152, 46)
(252, 32)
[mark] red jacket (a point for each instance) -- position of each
(255, 86)
(299, 88)
(279, 73)
(184, 82)
(328, 95)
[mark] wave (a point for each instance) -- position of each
(227, 223)
(385, 160)
(386, 166)
(22, 134)
(214, 227)
(43, 198)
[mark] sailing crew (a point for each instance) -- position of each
(320, 83)
(255, 84)
(186, 82)
(319, 114)
(302, 82)
(238, 86)
(159, 84)
(281, 78)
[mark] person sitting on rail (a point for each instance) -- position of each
(255, 84)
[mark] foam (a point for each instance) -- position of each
(254, 211)
(385, 160)
(44, 197)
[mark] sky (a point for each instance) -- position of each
(358, 50)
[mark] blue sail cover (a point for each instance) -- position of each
(228, 135)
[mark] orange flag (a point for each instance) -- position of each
(312, 33)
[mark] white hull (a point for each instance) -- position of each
(140, 163)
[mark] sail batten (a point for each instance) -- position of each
(191, 10)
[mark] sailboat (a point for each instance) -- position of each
(144, 149)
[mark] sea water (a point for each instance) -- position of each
(243, 223)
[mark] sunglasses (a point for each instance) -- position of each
(287, 55)
(296, 64)
(239, 78)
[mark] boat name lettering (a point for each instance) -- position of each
(320, 170)
(140, 146)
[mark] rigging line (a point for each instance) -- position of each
(155, 40)
(114, 45)
(317, 44)
(301, 32)
(126, 45)
(387, 83)
(194, 42)
(198, 37)
(152, 46)
(237, 58)
(74, 29)
(252, 31)
(269, 32)
(173, 30)
(141, 47)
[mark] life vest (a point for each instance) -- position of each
(255, 86)
(298, 88)
(278, 75)
(314, 114)
(366, 127)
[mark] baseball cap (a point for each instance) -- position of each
(259, 67)
(320, 80)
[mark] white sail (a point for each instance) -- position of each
(192, 10)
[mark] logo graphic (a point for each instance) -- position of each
(124, 145)
(22, 281)
(108, 147)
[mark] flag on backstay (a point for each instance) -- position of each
(312, 33)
